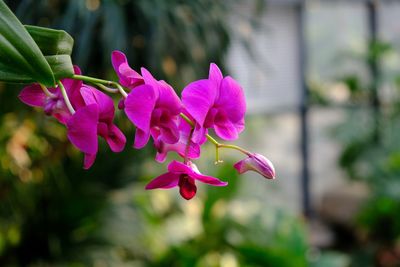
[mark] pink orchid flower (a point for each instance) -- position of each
(217, 102)
(184, 176)
(127, 76)
(93, 117)
(153, 106)
(182, 147)
(53, 105)
(258, 163)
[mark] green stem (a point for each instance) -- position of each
(107, 89)
(215, 142)
(46, 91)
(101, 81)
(65, 96)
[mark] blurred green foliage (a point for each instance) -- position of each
(371, 145)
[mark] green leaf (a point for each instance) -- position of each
(19, 52)
(61, 65)
(50, 41)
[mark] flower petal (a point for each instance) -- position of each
(168, 98)
(169, 132)
(187, 188)
(82, 129)
(141, 138)
(105, 103)
(164, 181)
(115, 138)
(139, 106)
(179, 167)
(208, 179)
(224, 128)
(88, 160)
(215, 74)
(198, 97)
(231, 99)
(127, 76)
(32, 95)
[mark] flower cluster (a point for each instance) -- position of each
(175, 124)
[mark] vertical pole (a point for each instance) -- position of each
(303, 111)
(373, 64)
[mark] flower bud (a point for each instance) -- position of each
(258, 163)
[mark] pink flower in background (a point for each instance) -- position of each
(153, 106)
(184, 176)
(127, 76)
(93, 119)
(258, 163)
(53, 105)
(217, 102)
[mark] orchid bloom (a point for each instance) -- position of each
(153, 106)
(184, 176)
(217, 102)
(258, 163)
(52, 101)
(94, 118)
(127, 76)
(182, 147)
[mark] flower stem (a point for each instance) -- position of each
(97, 81)
(46, 91)
(107, 89)
(215, 142)
(65, 96)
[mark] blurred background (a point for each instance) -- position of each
(322, 83)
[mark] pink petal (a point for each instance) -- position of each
(179, 167)
(82, 129)
(224, 128)
(141, 138)
(105, 103)
(168, 99)
(208, 179)
(32, 95)
(164, 181)
(115, 138)
(169, 132)
(88, 160)
(139, 106)
(215, 73)
(127, 76)
(231, 99)
(150, 80)
(198, 98)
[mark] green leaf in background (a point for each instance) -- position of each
(19, 52)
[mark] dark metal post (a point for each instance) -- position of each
(303, 111)
(373, 63)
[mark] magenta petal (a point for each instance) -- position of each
(225, 128)
(187, 188)
(104, 102)
(215, 73)
(115, 138)
(139, 106)
(179, 167)
(32, 95)
(141, 138)
(168, 99)
(169, 132)
(88, 160)
(82, 129)
(198, 97)
(149, 79)
(164, 181)
(208, 179)
(231, 99)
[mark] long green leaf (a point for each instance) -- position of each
(19, 52)
(50, 41)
